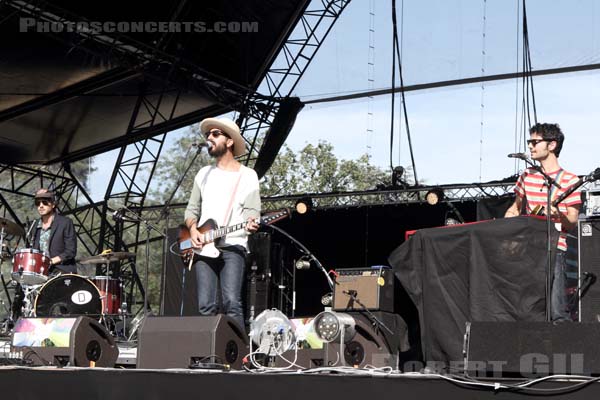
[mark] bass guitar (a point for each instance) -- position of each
(212, 235)
(593, 176)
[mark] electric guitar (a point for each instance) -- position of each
(593, 176)
(212, 235)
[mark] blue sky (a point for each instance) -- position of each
(455, 139)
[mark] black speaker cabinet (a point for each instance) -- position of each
(531, 349)
(367, 347)
(177, 342)
(80, 341)
(589, 262)
(373, 287)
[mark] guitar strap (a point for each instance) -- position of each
(227, 216)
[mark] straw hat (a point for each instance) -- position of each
(229, 127)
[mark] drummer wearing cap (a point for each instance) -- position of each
(54, 234)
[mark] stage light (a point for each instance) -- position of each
(302, 264)
(330, 326)
(327, 299)
(273, 332)
(452, 221)
(304, 205)
(434, 196)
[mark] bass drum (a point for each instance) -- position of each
(68, 295)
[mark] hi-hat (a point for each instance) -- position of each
(107, 258)
(11, 228)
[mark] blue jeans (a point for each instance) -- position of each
(229, 269)
(559, 295)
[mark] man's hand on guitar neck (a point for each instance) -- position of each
(252, 225)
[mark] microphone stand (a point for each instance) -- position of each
(164, 214)
(376, 321)
(548, 182)
(305, 250)
(149, 227)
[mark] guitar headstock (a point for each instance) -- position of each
(274, 216)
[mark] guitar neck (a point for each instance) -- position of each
(225, 230)
(570, 190)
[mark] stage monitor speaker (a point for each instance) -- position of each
(373, 287)
(80, 342)
(531, 349)
(259, 246)
(589, 262)
(179, 342)
(367, 347)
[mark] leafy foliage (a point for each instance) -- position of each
(314, 169)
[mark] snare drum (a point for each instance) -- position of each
(111, 291)
(30, 267)
(68, 295)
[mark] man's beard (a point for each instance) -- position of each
(217, 151)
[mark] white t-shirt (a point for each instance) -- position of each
(211, 196)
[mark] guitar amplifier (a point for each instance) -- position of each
(592, 203)
(589, 263)
(371, 287)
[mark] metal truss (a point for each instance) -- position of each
(288, 67)
(136, 162)
(134, 168)
(410, 195)
(130, 182)
(140, 57)
(379, 197)
(73, 198)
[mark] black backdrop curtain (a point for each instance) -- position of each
(173, 277)
(487, 271)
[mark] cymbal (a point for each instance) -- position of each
(106, 258)
(11, 228)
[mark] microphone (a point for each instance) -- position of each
(119, 215)
(520, 156)
(202, 144)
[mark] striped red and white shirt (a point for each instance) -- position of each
(531, 186)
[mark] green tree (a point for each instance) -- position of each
(316, 169)
(172, 165)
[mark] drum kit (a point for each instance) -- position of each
(40, 294)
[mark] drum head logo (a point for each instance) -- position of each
(81, 297)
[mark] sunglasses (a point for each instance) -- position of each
(44, 202)
(216, 133)
(534, 142)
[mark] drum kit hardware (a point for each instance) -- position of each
(40, 294)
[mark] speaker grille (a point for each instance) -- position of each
(589, 261)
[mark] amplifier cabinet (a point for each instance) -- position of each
(371, 287)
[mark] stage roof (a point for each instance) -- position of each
(69, 95)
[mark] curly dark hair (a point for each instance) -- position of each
(550, 132)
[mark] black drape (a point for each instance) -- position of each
(173, 279)
(486, 271)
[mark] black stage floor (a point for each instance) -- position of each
(94, 383)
